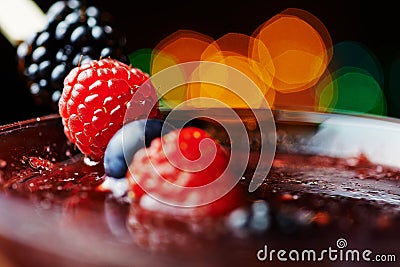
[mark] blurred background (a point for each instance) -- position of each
(374, 25)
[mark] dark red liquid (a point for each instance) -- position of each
(312, 200)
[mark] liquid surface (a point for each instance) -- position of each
(312, 200)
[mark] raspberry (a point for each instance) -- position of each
(76, 33)
(95, 99)
(172, 159)
(159, 226)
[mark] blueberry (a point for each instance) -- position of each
(127, 141)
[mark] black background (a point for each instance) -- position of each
(374, 24)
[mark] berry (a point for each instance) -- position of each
(75, 34)
(157, 225)
(96, 99)
(187, 157)
(127, 141)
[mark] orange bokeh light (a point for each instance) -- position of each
(179, 47)
(299, 51)
(285, 58)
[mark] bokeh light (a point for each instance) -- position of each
(298, 51)
(231, 50)
(290, 58)
(355, 54)
(355, 84)
(141, 59)
(353, 90)
(225, 76)
(180, 47)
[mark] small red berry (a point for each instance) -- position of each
(95, 99)
(187, 157)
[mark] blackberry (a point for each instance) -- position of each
(76, 32)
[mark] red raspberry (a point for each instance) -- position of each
(156, 225)
(95, 99)
(171, 158)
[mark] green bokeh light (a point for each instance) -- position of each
(356, 82)
(141, 59)
(354, 54)
(353, 90)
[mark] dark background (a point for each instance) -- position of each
(374, 24)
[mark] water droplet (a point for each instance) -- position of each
(3, 163)
(379, 168)
(90, 162)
